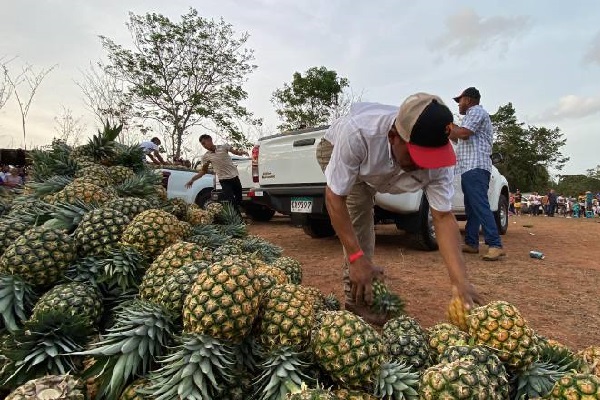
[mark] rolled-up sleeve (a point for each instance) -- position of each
(349, 151)
(440, 189)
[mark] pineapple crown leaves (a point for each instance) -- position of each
(47, 164)
(51, 185)
(397, 381)
(268, 251)
(17, 298)
(195, 369)
(67, 216)
(140, 185)
(46, 345)
(248, 354)
(130, 156)
(233, 230)
(386, 302)
(229, 215)
(123, 267)
(140, 334)
(282, 370)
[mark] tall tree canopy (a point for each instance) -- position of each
(529, 151)
(309, 99)
(186, 73)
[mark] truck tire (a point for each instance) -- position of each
(203, 197)
(501, 216)
(259, 213)
(318, 228)
(424, 238)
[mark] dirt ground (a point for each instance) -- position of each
(559, 295)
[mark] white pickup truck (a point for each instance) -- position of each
(291, 181)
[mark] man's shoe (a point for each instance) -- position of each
(469, 249)
(365, 312)
(493, 254)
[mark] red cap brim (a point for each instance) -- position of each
(432, 157)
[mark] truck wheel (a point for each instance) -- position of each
(424, 238)
(203, 197)
(318, 228)
(501, 216)
(260, 213)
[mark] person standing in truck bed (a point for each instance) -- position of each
(386, 149)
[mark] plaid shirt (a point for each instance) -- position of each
(475, 151)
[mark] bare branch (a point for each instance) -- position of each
(68, 128)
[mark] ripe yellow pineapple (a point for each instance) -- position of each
(83, 191)
(457, 311)
(151, 232)
(591, 357)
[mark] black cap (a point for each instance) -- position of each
(469, 92)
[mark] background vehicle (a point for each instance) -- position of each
(290, 180)
(256, 211)
(200, 191)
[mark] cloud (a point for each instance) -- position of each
(467, 32)
(572, 106)
(593, 53)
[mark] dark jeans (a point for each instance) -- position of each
(232, 190)
(475, 184)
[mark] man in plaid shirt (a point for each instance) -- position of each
(474, 138)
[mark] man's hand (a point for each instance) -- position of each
(189, 184)
(362, 273)
(469, 295)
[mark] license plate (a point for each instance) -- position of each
(301, 204)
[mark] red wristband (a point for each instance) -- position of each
(355, 256)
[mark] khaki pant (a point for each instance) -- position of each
(360, 206)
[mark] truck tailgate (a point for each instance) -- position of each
(290, 160)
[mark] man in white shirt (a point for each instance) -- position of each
(218, 156)
(380, 148)
(151, 149)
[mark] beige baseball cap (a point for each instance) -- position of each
(424, 122)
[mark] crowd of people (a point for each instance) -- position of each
(584, 205)
(12, 177)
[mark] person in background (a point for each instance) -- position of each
(4, 170)
(474, 164)
(226, 171)
(151, 149)
(552, 203)
(13, 178)
(518, 200)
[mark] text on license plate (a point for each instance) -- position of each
(301, 204)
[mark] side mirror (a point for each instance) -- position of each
(497, 158)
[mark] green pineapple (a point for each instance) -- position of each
(226, 251)
(151, 232)
(130, 206)
(10, 230)
(576, 386)
(385, 302)
(291, 267)
(178, 284)
(443, 335)
(100, 231)
(120, 173)
(39, 256)
(499, 325)
(55, 387)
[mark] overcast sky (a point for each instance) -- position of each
(543, 56)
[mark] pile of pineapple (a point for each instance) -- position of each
(108, 290)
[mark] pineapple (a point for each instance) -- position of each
(345, 394)
(39, 256)
(460, 379)
(268, 252)
(73, 298)
(119, 174)
(353, 354)
(270, 276)
(84, 192)
(306, 393)
(286, 317)
(178, 284)
(102, 148)
(291, 267)
(55, 387)
(499, 325)
(443, 335)
(457, 312)
(385, 302)
(225, 251)
(223, 302)
(481, 356)
(130, 206)
(152, 231)
(195, 215)
(177, 207)
(100, 231)
(407, 342)
(10, 230)
(96, 174)
(576, 386)
(591, 357)
(166, 264)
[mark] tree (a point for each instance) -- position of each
(5, 87)
(529, 151)
(573, 185)
(309, 99)
(184, 74)
(68, 128)
(32, 80)
(107, 98)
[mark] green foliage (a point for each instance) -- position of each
(184, 73)
(308, 100)
(574, 185)
(529, 151)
